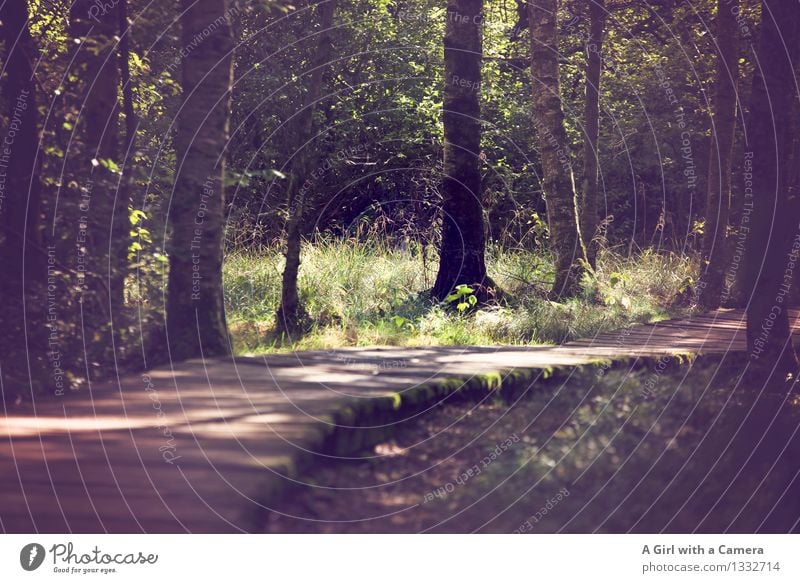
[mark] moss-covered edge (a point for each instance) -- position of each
(358, 423)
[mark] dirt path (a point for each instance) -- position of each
(205, 446)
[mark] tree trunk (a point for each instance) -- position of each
(290, 313)
(723, 127)
(23, 342)
(557, 178)
(774, 231)
(125, 187)
(462, 251)
(196, 323)
(94, 62)
(21, 203)
(591, 117)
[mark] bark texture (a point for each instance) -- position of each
(125, 187)
(723, 127)
(462, 251)
(95, 64)
(22, 342)
(771, 254)
(591, 119)
(557, 177)
(290, 315)
(196, 323)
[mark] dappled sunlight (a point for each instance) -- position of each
(271, 412)
(401, 265)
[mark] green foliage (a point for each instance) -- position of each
(463, 297)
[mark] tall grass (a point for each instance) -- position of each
(375, 294)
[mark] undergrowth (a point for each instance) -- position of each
(358, 294)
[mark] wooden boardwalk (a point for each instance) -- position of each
(203, 446)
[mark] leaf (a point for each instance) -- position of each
(108, 164)
(136, 216)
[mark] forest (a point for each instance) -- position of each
(217, 179)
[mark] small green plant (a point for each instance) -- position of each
(539, 228)
(404, 324)
(464, 298)
(139, 234)
(687, 285)
(616, 277)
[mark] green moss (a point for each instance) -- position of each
(397, 400)
(494, 381)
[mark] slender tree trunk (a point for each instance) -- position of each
(591, 116)
(772, 246)
(290, 313)
(718, 201)
(196, 323)
(94, 29)
(558, 180)
(23, 339)
(123, 201)
(462, 252)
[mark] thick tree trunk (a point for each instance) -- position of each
(196, 323)
(558, 181)
(95, 31)
(23, 363)
(718, 201)
(462, 251)
(290, 312)
(21, 203)
(772, 250)
(591, 119)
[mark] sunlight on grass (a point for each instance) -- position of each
(374, 294)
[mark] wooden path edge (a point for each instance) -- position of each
(361, 423)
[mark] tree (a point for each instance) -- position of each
(22, 197)
(557, 178)
(196, 323)
(126, 180)
(93, 33)
(723, 126)
(591, 117)
(774, 229)
(23, 346)
(462, 250)
(290, 312)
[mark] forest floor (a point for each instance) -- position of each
(642, 449)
